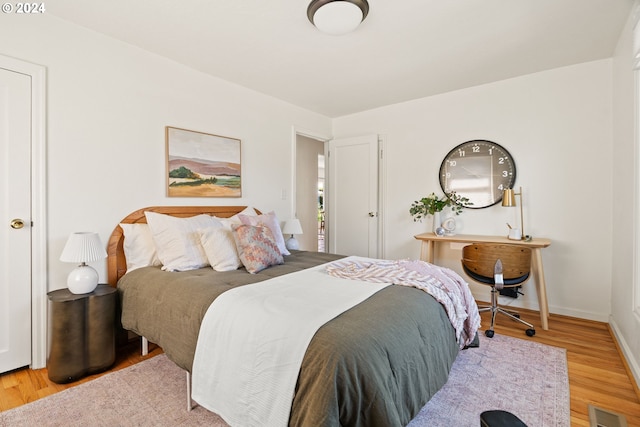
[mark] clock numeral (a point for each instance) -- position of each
(505, 174)
(502, 160)
(475, 148)
(461, 153)
(452, 162)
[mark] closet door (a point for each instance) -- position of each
(15, 220)
(353, 196)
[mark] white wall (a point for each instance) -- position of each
(557, 125)
(108, 104)
(626, 191)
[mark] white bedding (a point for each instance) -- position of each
(253, 339)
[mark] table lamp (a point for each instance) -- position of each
(83, 247)
(292, 227)
(509, 200)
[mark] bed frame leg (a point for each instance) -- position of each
(145, 346)
(189, 402)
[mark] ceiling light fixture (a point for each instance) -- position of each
(337, 17)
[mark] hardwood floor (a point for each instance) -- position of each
(25, 385)
(598, 374)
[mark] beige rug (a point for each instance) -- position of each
(523, 377)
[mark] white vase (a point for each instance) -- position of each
(436, 221)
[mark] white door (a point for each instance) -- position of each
(353, 196)
(15, 220)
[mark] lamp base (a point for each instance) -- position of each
(82, 280)
(292, 244)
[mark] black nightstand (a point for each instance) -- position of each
(82, 333)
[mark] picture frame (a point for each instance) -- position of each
(202, 164)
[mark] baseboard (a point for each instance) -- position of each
(580, 314)
(530, 302)
(631, 363)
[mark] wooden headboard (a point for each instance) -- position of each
(116, 261)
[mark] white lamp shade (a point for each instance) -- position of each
(338, 17)
(292, 227)
(83, 246)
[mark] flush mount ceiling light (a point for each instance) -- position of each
(337, 17)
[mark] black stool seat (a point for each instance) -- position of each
(500, 419)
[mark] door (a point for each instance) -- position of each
(15, 220)
(353, 196)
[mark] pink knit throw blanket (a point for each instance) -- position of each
(445, 285)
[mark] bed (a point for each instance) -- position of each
(376, 364)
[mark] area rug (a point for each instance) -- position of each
(523, 377)
(528, 379)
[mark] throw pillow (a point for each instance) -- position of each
(270, 220)
(256, 247)
(220, 247)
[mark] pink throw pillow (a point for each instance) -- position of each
(257, 248)
(271, 221)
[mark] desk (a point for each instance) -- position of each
(427, 251)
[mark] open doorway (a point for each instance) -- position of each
(321, 210)
(310, 193)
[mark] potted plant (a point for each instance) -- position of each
(433, 205)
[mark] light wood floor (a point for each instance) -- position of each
(597, 373)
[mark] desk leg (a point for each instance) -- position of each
(541, 288)
(426, 251)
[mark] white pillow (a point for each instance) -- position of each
(177, 240)
(270, 220)
(139, 249)
(220, 247)
(235, 219)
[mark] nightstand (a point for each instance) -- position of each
(82, 333)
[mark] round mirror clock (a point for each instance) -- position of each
(478, 170)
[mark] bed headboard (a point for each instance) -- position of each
(116, 261)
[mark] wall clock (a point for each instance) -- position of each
(479, 170)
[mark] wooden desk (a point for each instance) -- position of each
(427, 251)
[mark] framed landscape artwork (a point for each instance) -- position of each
(202, 165)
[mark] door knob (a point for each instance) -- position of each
(17, 223)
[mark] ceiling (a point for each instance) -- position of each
(405, 49)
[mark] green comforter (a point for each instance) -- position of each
(376, 364)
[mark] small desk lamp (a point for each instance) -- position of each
(83, 247)
(509, 200)
(292, 227)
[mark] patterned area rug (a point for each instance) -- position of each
(523, 377)
(528, 379)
